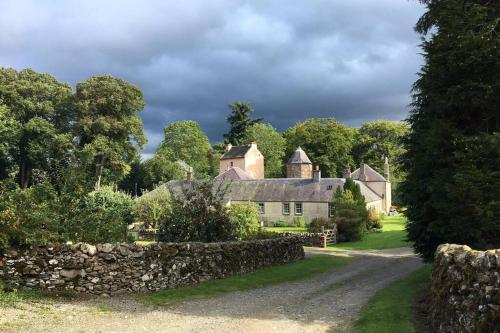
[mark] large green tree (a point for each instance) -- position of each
(109, 128)
(185, 141)
(38, 115)
(378, 139)
(452, 189)
(326, 141)
(240, 120)
(271, 144)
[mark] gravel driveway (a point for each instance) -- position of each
(329, 302)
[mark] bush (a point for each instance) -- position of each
(350, 225)
(102, 216)
(151, 208)
(244, 219)
(280, 224)
(28, 216)
(299, 222)
(318, 222)
(374, 221)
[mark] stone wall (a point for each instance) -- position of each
(313, 238)
(465, 292)
(109, 269)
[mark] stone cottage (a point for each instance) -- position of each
(304, 193)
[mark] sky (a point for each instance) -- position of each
(353, 60)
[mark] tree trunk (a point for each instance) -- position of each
(98, 172)
(25, 174)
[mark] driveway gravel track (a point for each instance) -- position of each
(329, 302)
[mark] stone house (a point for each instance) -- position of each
(304, 193)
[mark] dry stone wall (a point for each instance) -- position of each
(108, 269)
(465, 292)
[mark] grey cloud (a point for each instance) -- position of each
(354, 60)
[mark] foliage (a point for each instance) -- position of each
(28, 216)
(318, 222)
(35, 107)
(452, 187)
(271, 144)
(299, 222)
(299, 270)
(185, 141)
(244, 219)
(101, 216)
(197, 215)
(350, 225)
(153, 207)
(108, 126)
(240, 122)
(374, 221)
(391, 309)
(280, 224)
(378, 139)
(327, 142)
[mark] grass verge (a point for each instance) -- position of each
(390, 310)
(310, 266)
(393, 235)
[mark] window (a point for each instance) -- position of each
(286, 208)
(298, 208)
(331, 209)
(329, 187)
(231, 163)
(262, 208)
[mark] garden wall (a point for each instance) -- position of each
(465, 291)
(108, 269)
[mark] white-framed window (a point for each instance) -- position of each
(298, 208)
(331, 209)
(262, 207)
(286, 208)
(231, 163)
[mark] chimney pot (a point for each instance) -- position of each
(317, 174)
(228, 147)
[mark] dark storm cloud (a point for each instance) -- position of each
(354, 60)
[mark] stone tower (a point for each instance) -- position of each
(299, 165)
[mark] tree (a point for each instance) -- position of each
(271, 144)
(185, 141)
(327, 142)
(108, 128)
(378, 139)
(37, 107)
(240, 121)
(452, 187)
(9, 129)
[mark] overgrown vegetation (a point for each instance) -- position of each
(390, 310)
(453, 182)
(310, 266)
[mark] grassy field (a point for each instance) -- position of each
(392, 236)
(310, 266)
(390, 309)
(286, 229)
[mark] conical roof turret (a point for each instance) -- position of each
(299, 157)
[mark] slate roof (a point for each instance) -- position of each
(370, 174)
(235, 173)
(282, 189)
(299, 157)
(236, 152)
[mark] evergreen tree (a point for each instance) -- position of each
(239, 120)
(453, 151)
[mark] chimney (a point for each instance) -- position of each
(189, 176)
(228, 147)
(362, 172)
(317, 174)
(347, 171)
(253, 145)
(386, 168)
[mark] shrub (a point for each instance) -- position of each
(350, 225)
(374, 221)
(151, 208)
(102, 216)
(28, 216)
(299, 222)
(318, 222)
(245, 220)
(280, 224)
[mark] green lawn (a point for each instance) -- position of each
(390, 309)
(393, 235)
(286, 229)
(310, 266)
